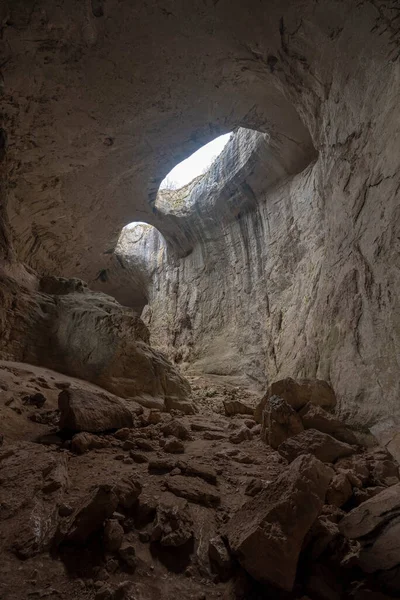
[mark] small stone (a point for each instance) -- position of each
(139, 458)
(113, 535)
(128, 491)
(214, 435)
(123, 434)
(128, 445)
(241, 435)
(65, 510)
(253, 487)
(145, 445)
(37, 400)
(236, 407)
(144, 536)
(220, 558)
(128, 460)
(339, 490)
(176, 429)
(154, 417)
(162, 465)
(83, 442)
(174, 446)
(127, 554)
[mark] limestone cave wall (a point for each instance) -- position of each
(289, 265)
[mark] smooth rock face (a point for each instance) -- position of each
(323, 446)
(279, 422)
(266, 535)
(82, 410)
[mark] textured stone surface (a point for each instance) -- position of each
(90, 336)
(81, 410)
(315, 417)
(298, 393)
(372, 514)
(268, 532)
(279, 421)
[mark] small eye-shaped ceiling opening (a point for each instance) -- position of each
(197, 164)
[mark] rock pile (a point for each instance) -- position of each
(295, 505)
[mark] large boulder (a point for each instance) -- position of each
(84, 410)
(90, 515)
(372, 514)
(376, 525)
(279, 421)
(315, 417)
(297, 393)
(267, 533)
(323, 446)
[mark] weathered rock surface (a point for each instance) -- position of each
(193, 489)
(373, 513)
(298, 393)
(323, 446)
(33, 481)
(90, 336)
(173, 525)
(267, 533)
(89, 517)
(315, 417)
(279, 422)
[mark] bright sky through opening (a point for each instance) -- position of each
(196, 164)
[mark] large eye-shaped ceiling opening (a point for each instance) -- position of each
(195, 165)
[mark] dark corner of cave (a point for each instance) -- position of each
(199, 315)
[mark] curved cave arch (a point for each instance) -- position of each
(129, 274)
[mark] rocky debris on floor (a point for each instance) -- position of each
(176, 429)
(240, 435)
(228, 518)
(83, 442)
(267, 533)
(82, 410)
(173, 525)
(37, 400)
(90, 516)
(174, 446)
(220, 558)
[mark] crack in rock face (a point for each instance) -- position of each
(199, 386)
